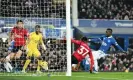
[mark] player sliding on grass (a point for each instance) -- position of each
(106, 42)
(35, 38)
(82, 51)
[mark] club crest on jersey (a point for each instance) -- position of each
(109, 41)
(103, 43)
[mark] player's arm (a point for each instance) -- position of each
(27, 41)
(91, 61)
(96, 39)
(27, 37)
(26, 34)
(42, 43)
(76, 41)
(117, 45)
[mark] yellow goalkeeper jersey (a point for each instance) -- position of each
(34, 40)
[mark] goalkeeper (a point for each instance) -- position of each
(35, 38)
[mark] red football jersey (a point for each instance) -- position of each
(83, 51)
(19, 36)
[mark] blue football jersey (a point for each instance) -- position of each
(106, 42)
(12, 45)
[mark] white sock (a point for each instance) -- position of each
(9, 66)
(96, 65)
(6, 67)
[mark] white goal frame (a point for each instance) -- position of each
(68, 34)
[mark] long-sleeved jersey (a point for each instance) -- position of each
(106, 42)
(82, 51)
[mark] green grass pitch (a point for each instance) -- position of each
(75, 76)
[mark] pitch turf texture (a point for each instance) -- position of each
(75, 76)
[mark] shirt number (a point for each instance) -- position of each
(83, 51)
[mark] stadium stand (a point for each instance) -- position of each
(55, 55)
(117, 62)
(105, 9)
(32, 8)
(87, 9)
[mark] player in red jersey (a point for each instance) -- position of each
(18, 34)
(82, 51)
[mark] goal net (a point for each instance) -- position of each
(51, 16)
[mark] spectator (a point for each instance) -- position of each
(126, 17)
(32, 8)
(120, 65)
(28, 3)
(110, 9)
(116, 62)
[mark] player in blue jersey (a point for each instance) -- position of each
(106, 41)
(7, 65)
(11, 45)
(6, 59)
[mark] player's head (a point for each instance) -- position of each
(109, 32)
(84, 39)
(37, 28)
(20, 24)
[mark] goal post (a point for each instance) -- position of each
(68, 34)
(54, 18)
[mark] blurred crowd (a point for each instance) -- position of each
(55, 55)
(105, 9)
(87, 9)
(32, 8)
(117, 62)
